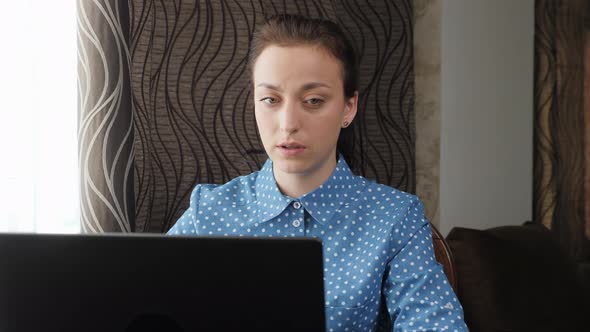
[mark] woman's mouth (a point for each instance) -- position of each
(291, 149)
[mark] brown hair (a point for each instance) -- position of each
(293, 30)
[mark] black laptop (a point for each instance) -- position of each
(159, 283)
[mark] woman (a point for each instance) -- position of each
(379, 264)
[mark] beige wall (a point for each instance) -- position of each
(427, 32)
(474, 111)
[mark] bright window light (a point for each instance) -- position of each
(38, 117)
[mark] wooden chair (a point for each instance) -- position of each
(444, 256)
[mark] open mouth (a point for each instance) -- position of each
(291, 149)
(291, 146)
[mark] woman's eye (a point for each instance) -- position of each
(314, 101)
(269, 100)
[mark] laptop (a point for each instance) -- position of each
(132, 283)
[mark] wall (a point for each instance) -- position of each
(427, 17)
(486, 113)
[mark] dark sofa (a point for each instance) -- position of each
(517, 278)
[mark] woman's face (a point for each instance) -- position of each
(300, 107)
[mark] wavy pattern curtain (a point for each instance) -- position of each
(105, 117)
(562, 122)
(192, 112)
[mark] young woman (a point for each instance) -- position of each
(379, 266)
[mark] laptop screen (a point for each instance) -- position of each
(159, 283)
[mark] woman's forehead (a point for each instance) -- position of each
(297, 65)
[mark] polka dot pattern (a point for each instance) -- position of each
(380, 273)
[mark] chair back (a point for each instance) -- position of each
(444, 256)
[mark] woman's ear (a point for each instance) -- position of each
(350, 108)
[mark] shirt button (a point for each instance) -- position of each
(296, 223)
(297, 205)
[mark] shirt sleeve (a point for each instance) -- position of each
(187, 223)
(418, 295)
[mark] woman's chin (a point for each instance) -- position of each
(291, 165)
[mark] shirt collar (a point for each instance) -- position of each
(271, 202)
(322, 203)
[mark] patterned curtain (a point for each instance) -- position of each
(105, 118)
(192, 110)
(562, 121)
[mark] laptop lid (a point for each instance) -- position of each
(159, 283)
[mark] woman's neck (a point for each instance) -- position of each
(297, 184)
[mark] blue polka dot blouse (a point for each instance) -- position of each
(380, 273)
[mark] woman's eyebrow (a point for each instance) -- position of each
(269, 86)
(313, 85)
(305, 87)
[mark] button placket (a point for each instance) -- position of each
(307, 222)
(300, 214)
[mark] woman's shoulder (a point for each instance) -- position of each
(384, 194)
(394, 207)
(238, 189)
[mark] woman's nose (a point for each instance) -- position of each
(290, 118)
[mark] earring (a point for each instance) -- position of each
(345, 124)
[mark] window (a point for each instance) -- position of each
(38, 117)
